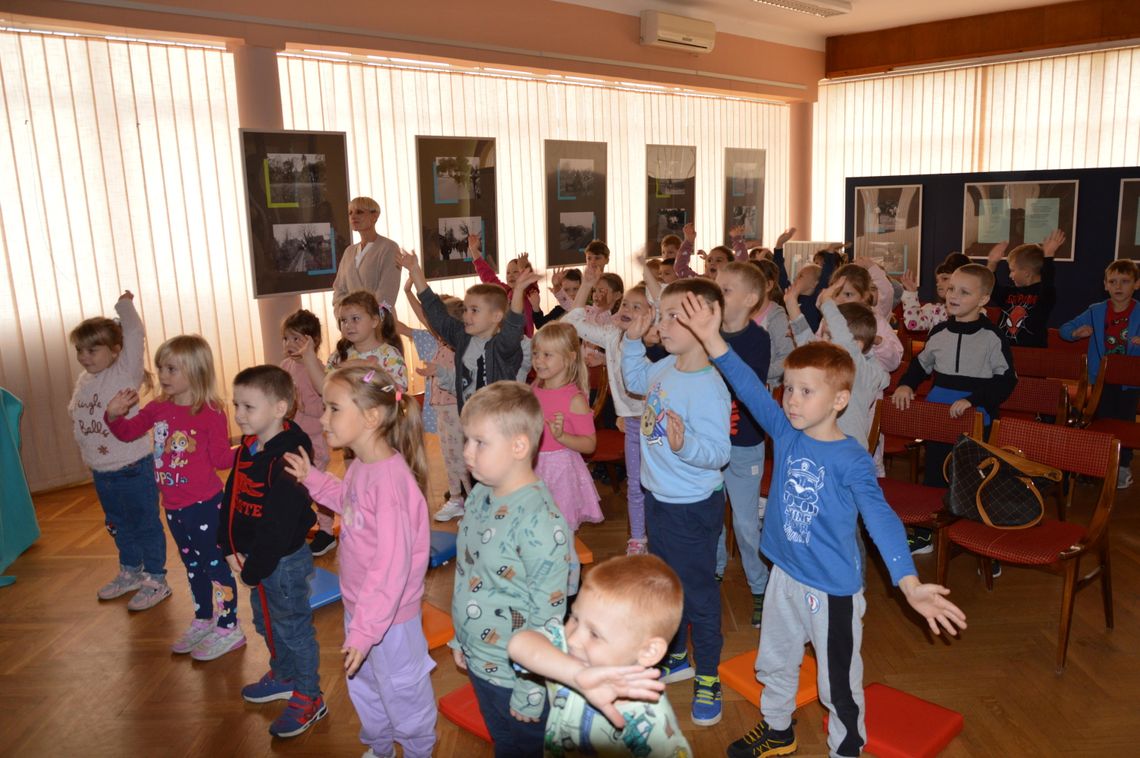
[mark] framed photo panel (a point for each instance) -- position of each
(1128, 220)
(888, 226)
(744, 193)
(457, 204)
(671, 175)
(296, 190)
(1020, 212)
(575, 199)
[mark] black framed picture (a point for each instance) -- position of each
(575, 199)
(457, 204)
(671, 176)
(1018, 212)
(1128, 220)
(888, 226)
(744, 192)
(296, 187)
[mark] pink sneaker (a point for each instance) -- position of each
(199, 628)
(218, 642)
(636, 547)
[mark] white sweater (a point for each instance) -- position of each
(100, 449)
(610, 338)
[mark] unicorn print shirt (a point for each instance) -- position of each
(819, 491)
(189, 448)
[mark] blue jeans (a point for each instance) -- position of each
(513, 738)
(294, 655)
(742, 480)
(684, 535)
(129, 497)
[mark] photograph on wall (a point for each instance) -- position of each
(888, 226)
(744, 194)
(296, 188)
(575, 199)
(1128, 220)
(457, 204)
(671, 182)
(1018, 213)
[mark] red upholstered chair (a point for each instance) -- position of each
(916, 504)
(1070, 366)
(1034, 397)
(610, 449)
(1115, 369)
(1062, 345)
(1052, 545)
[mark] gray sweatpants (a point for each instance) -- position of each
(795, 614)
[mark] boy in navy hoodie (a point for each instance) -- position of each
(266, 515)
(1113, 327)
(822, 483)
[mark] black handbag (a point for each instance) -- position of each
(996, 486)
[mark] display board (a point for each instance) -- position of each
(744, 193)
(671, 179)
(457, 204)
(1018, 213)
(1128, 220)
(888, 226)
(575, 199)
(296, 190)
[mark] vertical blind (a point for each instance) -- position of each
(383, 109)
(1069, 111)
(124, 175)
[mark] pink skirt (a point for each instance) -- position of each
(571, 485)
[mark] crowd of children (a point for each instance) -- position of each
(561, 661)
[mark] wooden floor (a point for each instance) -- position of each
(80, 677)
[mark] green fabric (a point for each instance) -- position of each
(18, 527)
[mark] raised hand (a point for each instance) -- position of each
(690, 232)
(121, 403)
(535, 299)
(639, 325)
(909, 281)
(702, 319)
(787, 235)
(473, 245)
(590, 277)
(736, 232)
(674, 431)
(127, 295)
(1053, 242)
(298, 465)
(556, 280)
(832, 291)
(997, 252)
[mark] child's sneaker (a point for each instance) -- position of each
(217, 642)
(757, 609)
(636, 547)
(920, 542)
(370, 753)
(198, 630)
(706, 700)
(763, 741)
(128, 580)
(300, 713)
(267, 689)
(1123, 478)
(676, 668)
(322, 543)
(152, 592)
(453, 508)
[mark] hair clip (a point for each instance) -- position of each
(367, 378)
(386, 306)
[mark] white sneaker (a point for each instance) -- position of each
(218, 642)
(199, 628)
(152, 592)
(370, 753)
(451, 509)
(128, 580)
(1123, 478)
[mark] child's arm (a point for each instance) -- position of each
(590, 278)
(997, 252)
(916, 316)
(134, 334)
(634, 365)
(681, 265)
(606, 335)
(778, 255)
(1079, 327)
(128, 429)
(704, 442)
(704, 322)
(840, 332)
(888, 350)
(802, 332)
(885, 304)
(602, 686)
(782, 344)
(313, 366)
(484, 271)
(576, 431)
(219, 452)
(414, 302)
(1050, 245)
(916, 373)
(451, 329)
(324, 488)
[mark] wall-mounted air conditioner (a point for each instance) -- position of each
(677, 32)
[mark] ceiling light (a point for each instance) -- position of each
(821, 8)
(414, 62)
(329, 52)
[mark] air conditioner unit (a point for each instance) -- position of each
(677, 32)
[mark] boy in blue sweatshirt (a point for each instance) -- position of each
(822, 482)
(684, 446)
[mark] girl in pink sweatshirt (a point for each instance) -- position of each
(383, 554)
(191, 442)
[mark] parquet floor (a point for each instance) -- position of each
(80, 677)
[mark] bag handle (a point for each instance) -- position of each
(994, 466)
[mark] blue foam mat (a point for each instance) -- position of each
(325, 588)
(442, 548)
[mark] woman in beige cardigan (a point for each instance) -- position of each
(369, 265)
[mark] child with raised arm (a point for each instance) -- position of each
(191, 442)
(684, 445)
(513, 563)
(111, 354)
(922, 317)
(383, 555)
(1027, 302)
(714, 259)
(487, 341)
(564, 285)
(604, 694)
(824, 482)
(266, 516)
(515, 266)
(859, 286)
(1113, 327)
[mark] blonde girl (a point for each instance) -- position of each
(111, 353)
(383, 554)
(191, 442)
(369, 337)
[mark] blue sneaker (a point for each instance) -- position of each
(706, 700)
(676, 668)
(300, 714)
(267, 689)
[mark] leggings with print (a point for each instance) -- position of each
(195, 532)
(451, 445)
